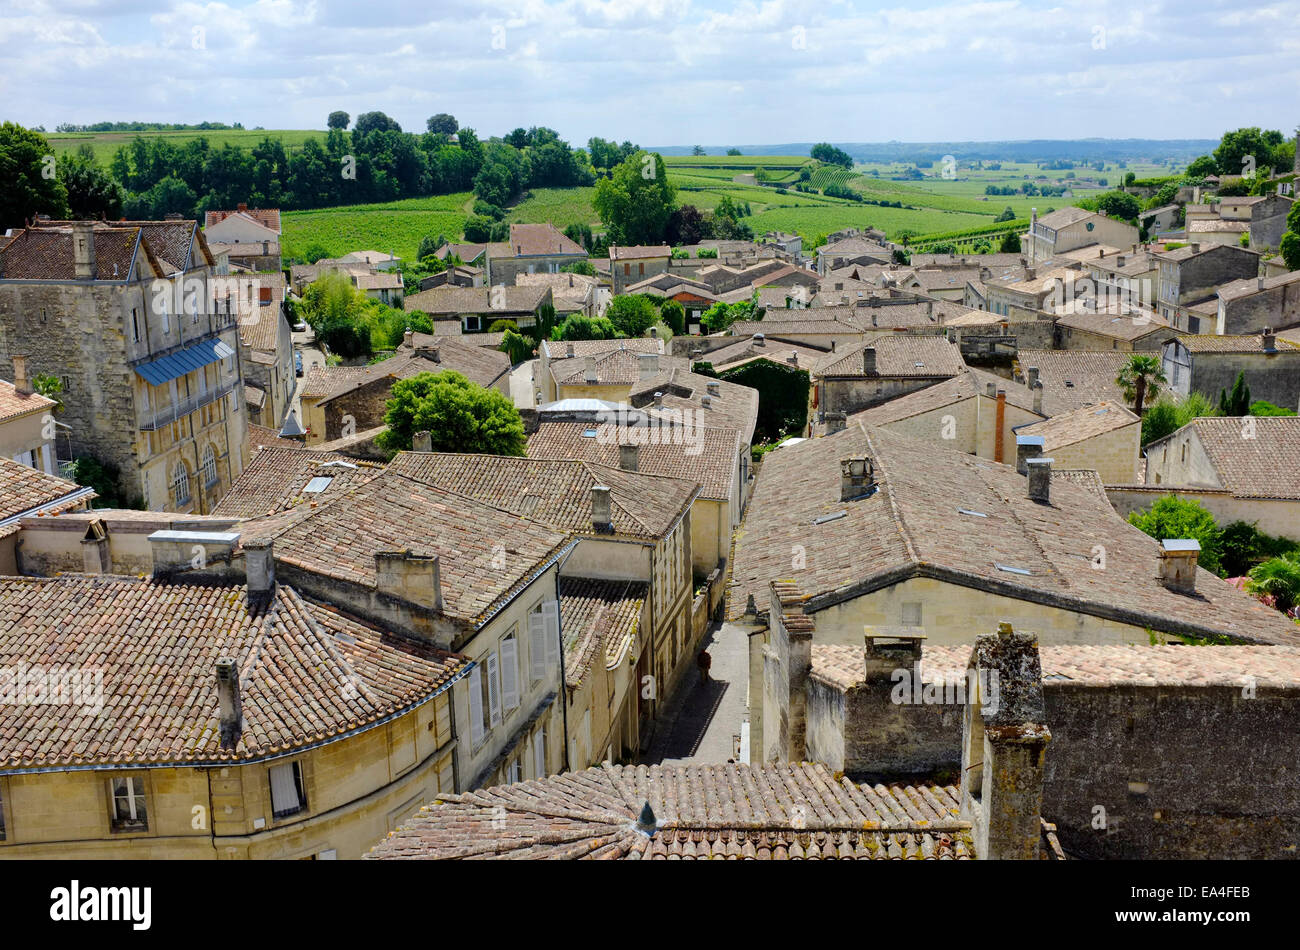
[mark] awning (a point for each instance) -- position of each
(175, 365)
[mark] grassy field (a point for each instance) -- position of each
(396, 226)
(106, 144)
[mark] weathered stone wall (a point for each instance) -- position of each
(849, 394)
(1278, 307)
(1275, 377)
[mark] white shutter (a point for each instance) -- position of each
(475, 705)
(537, 645)
(510, 673)
(494, 689)
(284, 790)
(539, 753)
(551, 614)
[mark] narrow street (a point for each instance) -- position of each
(703, 719)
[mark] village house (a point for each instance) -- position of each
(1252, 304)
(531, 249)
(294, 729)
(456, 275)
(477, 308)
(851, 250)
(28, 430)
(598, 369)
(249, 237)
(27, 492)
(1069, 229)
(625, 591)
(631, 264)
(1072, 378)
(377, 283)
(1190, 275)
(886, 365)
(790, 244)
(131, 319)
(1211, 364)
(1241, 469)
(735, 352)
(345, 400)
(1105, 438)
(1098, 323)
(879, 528)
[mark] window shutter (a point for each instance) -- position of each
(284, 790)
(539, 753)
(551, 613)
(537, 645)
(475, 705)
(494, 689)
(510, 673)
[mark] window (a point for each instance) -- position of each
(287, 797)
(135, 325)
(493, 694)
(510, 672)
(180, 485)
(127, 810)
(514, 772)
(209, 467)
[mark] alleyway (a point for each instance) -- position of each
(703, 719)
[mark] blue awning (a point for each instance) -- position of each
(174, 365)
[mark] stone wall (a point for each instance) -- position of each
(1273, 377)
(1277, 307)
(849, 394)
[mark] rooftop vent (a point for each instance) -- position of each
(1040, 479)
(857, 477)
(1178, 557)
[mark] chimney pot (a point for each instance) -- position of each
(259, 568)
(409, 337)
(1040, 479)
(1267, 337)
(857, 477)
(869, 361)
(628, 457)
(589, 371)
(715, 388)
(422, 441)
(1027, 447)
(229, 703)
(1037, 390)
(836, 422)
(1031, 376)
(83, 250)
(21, 382)
(659, 399)
(601, 519)
(1178, 557)
(568, 350)
(991, 390)
(648, 365)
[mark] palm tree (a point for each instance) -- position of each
(1141, 377)
(1279, 577)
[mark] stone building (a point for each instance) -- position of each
(477, 308)
(1068, 229)
(631, 264)
(1210, 364)
(1255, 304)
(131, 318)
(283, 728)
(886, 365)
(28, 424)
(1105, 438)
(249, 237)
(29, 493)
(1190, 275)
(266, 351)
(531, 249)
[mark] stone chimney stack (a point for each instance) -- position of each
(1040, 479)
(1031, 376)
(230, 706)
(835, 422)
(405, 575)
(259, 568)
(1027, 447)
(1178, 557)
(759, 340)
(1037, 390)
(408, 338)
(589, 372)
(1004, 746)
(659, 400)
(991, 390)
(21, 383)
(647, 365)
(601, 519)
(1268, 338)
(857, 477)
(83, 250)
(422, 441)
(568, 350)
(628, 456)
(793, 630)
(869, 361)
(714, 388)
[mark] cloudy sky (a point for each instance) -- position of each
(666, 72)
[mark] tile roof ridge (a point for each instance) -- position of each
(477, 501)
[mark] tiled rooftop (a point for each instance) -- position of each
(23, 488)
(1254, 457)
(897, 355)
(737, 812)
(14, 404)
(600, 619)
(277, 479)
(1079, 424)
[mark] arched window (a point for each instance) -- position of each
(180, 485)
(209, 467)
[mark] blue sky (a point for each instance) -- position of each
(665, 72)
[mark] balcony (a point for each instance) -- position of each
(166, 415)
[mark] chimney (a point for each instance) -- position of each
(714, 388)
(627, 457)
(1178, 558)
(1004, 746)
(706, 401)
(1031, 273)
(991, 390)
(792, 636)
(869, 361)
(857, 477)
(1196, 247)
(832, 346)
(230, 707)
(1267, 338)
(1119, 261)
(929, 309)
(408, 338)
(422, 441)
(647, 365)
(793, 358)
(659, 400)
(1031, 376)
(1027, 447)
(1040, 479)
(405, 575)
(1259, 283)
(601, 519)
(568, 350)
(259, 568)
(835, 422)
(759, 340)
(241, 207)
(589, 372)
(21, 383)
(83, 250)
(1037, 390)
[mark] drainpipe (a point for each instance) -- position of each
(1001, 419)
(564, 678)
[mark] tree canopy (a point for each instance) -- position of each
(460, 415)
(636, 201)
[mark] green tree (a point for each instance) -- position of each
(1261, 407)
(1117, 204)
(442, 123)
(428, 245)
(632, 314)
(1165, 415)
(518, 346)
(315, 252)
(1201, 167)
(579, 267)
(1290, 249)
(1010, 243)
(578, 326)
(1174, 517)
(636, 200)
(375, 122)
(1243, 150)
(1279, 578)
(825, 152)
(674, 315)
(1139, 378)
(338, 120)
(1236, 403)
(1008, 214)
(734, 151)
(697, 150)
(28, 170)
(49, 386)
(460, 415)
(92, 193)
